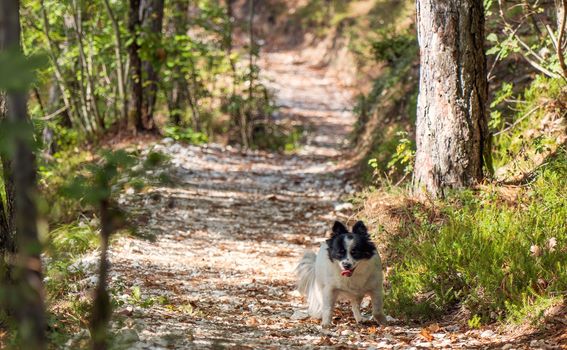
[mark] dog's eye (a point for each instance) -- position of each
(361, 254)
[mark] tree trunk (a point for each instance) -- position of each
(136, 91)
(151, 12)
(29, 309)
(119, 62)
(178, 95)
(7, 230)
(452, 133)
(69, 100)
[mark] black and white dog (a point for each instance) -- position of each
(348, 266)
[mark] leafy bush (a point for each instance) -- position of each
(186, 135)
(519, 131)
(489, 253)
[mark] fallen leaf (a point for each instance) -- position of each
(535, 250)
(551, 244)
(252, 321)
(372, 330)
(425, 334)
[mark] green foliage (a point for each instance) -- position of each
(519, 32)
(187, 135)
(18, 71)
(53, 176)
(516, 124)
(393, 99)
(72, 240)
(137, 298)
(405, 153)
(474, 322)
(401, 160)
(489, 254)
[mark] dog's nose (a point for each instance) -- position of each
(346, 265)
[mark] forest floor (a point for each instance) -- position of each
(230, 228)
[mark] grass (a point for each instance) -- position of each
(495, 253)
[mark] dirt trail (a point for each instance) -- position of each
(229, 232)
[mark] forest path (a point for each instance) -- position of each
(230, 229)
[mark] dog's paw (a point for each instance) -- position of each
(326, 325)
(380, 318)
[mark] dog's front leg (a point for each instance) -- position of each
(377, 297)
(355, 306)
(329, 299)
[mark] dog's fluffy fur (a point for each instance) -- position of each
(347, 266)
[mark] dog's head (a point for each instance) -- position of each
(348, 249)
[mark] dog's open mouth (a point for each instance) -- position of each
(347, 273)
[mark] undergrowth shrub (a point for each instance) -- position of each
(494, 255)
(522, 128)
(187, 135)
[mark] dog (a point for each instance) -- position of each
(347, 266)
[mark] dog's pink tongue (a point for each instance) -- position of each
(347, 273)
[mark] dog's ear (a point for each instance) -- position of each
(339, 228)
(360, 229)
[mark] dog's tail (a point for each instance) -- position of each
(306, 283)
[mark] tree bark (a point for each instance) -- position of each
(151, 12)
(7, 230)
(452, 133)
(29, 310)
(136, 91)
(119, 62)
(178, 94)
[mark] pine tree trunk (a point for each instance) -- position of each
(152, 23)
(452, 133)
(136, 91)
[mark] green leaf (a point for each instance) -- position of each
(492, 37)
(493, 50)
(18, 72)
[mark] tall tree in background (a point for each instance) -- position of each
(145, 22)
(177, 97)
(7, 230)
(452, 133)
(27, 303)
(119, 61)
(136, 90)
(152, 23)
